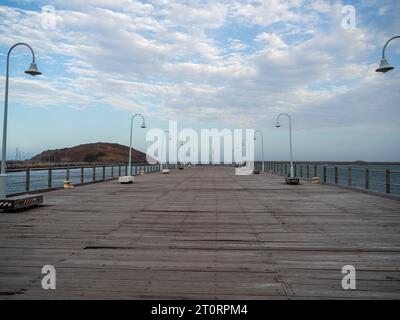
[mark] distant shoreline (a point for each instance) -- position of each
(340, 162)
(30, 164)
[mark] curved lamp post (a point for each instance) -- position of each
(33, 71)
(290, 139)
(164, 153)
(177, 154)
(143, 125)
(166, 169)
(384, 65)
(262, 146)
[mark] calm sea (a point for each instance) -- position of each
(377, 176)
(16, 181)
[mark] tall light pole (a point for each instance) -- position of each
(33, 71)
(177, 152)
(290, 141)
(166, 169)
(384, 65)
(130, 140)
(262, 146)
(164, 153)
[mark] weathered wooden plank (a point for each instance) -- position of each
(203, 233)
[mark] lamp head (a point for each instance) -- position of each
(384, 66)
(278, 125)
(33, 70)
(143, 126)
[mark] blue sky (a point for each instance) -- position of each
(223, 64)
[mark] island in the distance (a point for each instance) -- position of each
(100, 152)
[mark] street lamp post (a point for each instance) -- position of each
(262, 146)
(164, 153)
(165, 170)
(384, 65)
(177, 155)
(33, 71)
(130, 140)
(290, 140)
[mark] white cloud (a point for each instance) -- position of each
(167, 58)
(273, 41)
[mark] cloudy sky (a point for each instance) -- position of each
(222, 64)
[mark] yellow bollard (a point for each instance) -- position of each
(68, 184)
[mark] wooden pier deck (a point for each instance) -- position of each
(203, 233)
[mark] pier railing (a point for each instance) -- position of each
(26, 180)
(363, 177)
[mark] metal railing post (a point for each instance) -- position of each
(336, 175)
(324, 173)
(94, 173)
(27, 179)
(315, 171)
(67, 175)
(49, 181)
(82, 174)
(119, 170)
(350, 181)
(367, 179)
(388, 181)
(104, 173)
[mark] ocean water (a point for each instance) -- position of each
(377, 175)
(16, 180)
